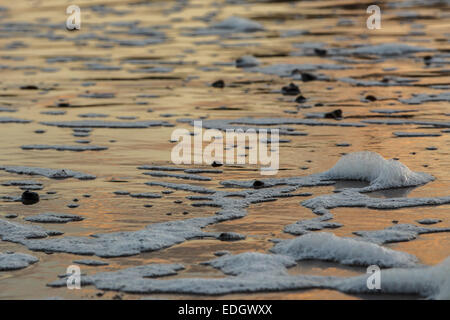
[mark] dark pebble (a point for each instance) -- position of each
(230, 236)
(320, 52)
(300, 99)
(308, 77)
(218, 84)
(371, 98)
(290, 90)
(335, 114)
(30, 87)
(258, 184)
(216, 164)
(29, 197)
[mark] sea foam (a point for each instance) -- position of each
(379, 172)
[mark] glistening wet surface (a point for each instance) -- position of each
(135, 71)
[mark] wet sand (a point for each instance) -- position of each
(172, 78)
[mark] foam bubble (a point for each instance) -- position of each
(379, 172)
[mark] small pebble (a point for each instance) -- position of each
(300, 99)
(216, 164)
(335, 114)
(29, 197)
(218, 84)
(258, 184)
(290, 90)
(320, 52)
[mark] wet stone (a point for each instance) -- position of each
(230, 236)
(216, 164)
(320, 52)
(258, 184)
(306, 77)
(300, 99)
(290, 90)
(335, 114)
(30, 198)
(218, 84)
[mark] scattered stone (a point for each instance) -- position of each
(230, 236)
(218, 84)
(29, 87)
(30, 197)
(216, 164)
(300, 99)
(335, 114)
(306, 77)
(320, 52)
(258, 184)
(290, 90)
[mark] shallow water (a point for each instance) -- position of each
(74, 70)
